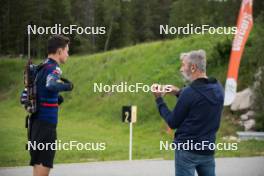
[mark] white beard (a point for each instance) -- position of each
(186, 77)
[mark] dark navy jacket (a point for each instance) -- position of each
(197, 112)
(48, 87)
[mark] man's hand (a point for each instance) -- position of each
(171, 89)
(60, 99)
(67, 81)
(157, 90)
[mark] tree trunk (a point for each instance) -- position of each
(109, 34)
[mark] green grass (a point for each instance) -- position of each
(86, 116)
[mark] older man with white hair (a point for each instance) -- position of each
(196, 116)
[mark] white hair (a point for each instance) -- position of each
(197, 57)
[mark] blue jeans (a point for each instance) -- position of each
(186, 163)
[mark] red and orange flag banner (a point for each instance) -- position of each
(244, 26)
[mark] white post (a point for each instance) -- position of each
(28, 45)
(130, 140)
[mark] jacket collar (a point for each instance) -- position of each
(202, 81)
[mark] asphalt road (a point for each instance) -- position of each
(253, 166)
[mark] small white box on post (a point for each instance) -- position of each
(129, 115)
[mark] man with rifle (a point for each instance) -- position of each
(41, 99)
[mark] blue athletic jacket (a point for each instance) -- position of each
(197, 113)
(49, 84)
